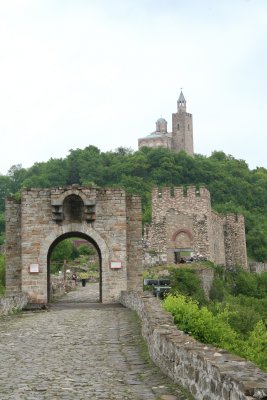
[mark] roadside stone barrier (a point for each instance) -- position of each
(59, 287)
(10, 304)
(207, 372)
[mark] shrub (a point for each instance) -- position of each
(200, 322)
(216, 329)
(187, 282)
(256, 346)
(83, 249)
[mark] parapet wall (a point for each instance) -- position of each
(185, 200)
(208, 373)
(10, 304)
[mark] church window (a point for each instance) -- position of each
(188, 126)
(178, 127)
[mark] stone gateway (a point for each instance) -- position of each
(108, 218)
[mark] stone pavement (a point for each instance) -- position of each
(79, 350)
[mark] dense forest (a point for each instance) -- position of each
(233, 186)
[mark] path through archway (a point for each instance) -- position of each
(88, 269)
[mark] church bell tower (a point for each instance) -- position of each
(182, 128)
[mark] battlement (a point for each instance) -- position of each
(180, 193)
(233, 219)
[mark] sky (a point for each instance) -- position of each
(75, 73)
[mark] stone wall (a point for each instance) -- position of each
(10, 304)
(208, 373)
(235, 241)
(44, 217)
(59, 287)
(12, 247)
(218, 247)
(134, 243)
(206, 276)
(257, 267)
(182, 220)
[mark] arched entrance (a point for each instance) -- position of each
(70, 235)
(182, 245)
(107, 218)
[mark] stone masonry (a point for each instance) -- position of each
(107, 218)
(181, 137)
(183, 221)
(207, 372)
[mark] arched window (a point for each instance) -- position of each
(73, 208)
(178, 127)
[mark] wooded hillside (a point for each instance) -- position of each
(233, 186)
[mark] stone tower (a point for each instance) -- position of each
(181, 137)
(182, 128)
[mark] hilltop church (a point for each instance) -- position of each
(181, 137)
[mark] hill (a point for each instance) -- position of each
(233, 186)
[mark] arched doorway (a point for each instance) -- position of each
(72, 235)
(182, 245)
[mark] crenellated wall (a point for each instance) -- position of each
(183, 219)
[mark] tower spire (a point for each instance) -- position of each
(181, 102)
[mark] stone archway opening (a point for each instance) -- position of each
(183, 246)
(88, 269)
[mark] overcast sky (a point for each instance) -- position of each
(100, 72)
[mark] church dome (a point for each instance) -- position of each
(161, 120)
(161, 125)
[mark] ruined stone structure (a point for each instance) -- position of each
(184, 223)
(181, 137)
(107, 218)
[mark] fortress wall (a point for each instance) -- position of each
(191, 201)
(235, 240)
(217, 240)
(12, 247)
(207, 372)
(220, 239)
(134, 243)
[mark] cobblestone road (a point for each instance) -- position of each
(78, 350)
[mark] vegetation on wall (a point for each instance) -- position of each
(233, 186)
(233, 318)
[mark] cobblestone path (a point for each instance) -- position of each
(78, 350)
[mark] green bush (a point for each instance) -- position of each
(217, 330)
(256, 346)
(187, 282)
(85, 250)
(217, 290)
(200, 322)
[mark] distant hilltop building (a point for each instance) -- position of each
(181, 137)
